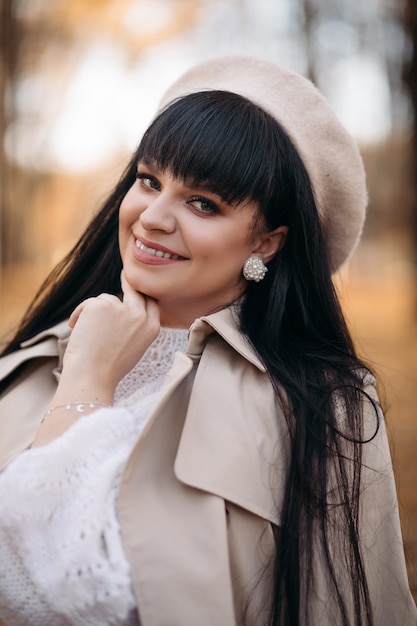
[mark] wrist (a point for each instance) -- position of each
(83, 390)
(60, 417)
(77, 407)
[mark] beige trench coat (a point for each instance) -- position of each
(195, 503)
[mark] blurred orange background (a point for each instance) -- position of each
(79, 82)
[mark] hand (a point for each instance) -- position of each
(109, 337)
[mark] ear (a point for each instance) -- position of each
(270, 243)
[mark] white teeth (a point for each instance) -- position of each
(154, 252)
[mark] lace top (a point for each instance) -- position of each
(147, 375)
(61, 556)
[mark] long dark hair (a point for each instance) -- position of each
(292, 318)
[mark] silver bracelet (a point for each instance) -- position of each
(76, 406)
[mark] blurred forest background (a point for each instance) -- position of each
(80, 80)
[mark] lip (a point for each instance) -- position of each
(148, 257)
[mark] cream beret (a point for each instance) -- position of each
(329, 153)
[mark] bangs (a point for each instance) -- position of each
(217, 139)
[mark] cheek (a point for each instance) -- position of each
(128, 215)
(125, 211)
(220, 242)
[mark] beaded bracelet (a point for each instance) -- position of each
(77, 406)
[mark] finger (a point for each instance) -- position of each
(73, 318)
(108, 297)
(136, 298)
(152, 308)
(130, 295)
(82, 306)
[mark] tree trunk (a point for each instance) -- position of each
(410, 80)
(8, 57)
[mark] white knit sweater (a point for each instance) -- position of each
(61, 557)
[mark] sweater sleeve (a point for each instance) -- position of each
(61, 555)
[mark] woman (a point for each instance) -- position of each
(207, 448)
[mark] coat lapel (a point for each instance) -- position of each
(232, 431)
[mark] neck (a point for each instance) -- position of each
(177, 319)
(184, 318)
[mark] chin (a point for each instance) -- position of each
(137, 284)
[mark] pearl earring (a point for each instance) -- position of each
(254, 269)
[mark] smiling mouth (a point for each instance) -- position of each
(158, 253)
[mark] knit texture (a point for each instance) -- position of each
(148, 374)
(61, 555)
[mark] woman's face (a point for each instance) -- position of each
(183, 246)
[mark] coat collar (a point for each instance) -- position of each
(48, 343)
(226, 324)
(61, 331)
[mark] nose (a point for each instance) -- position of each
(159, 213)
